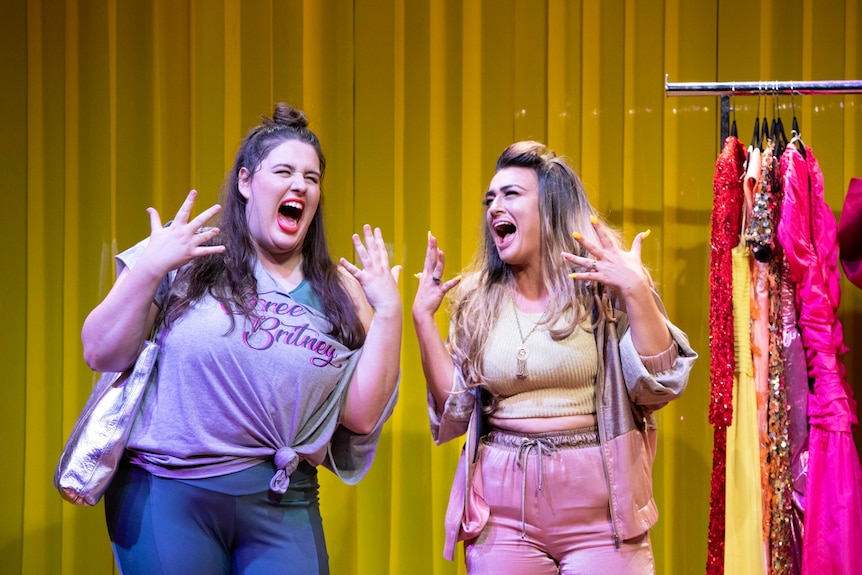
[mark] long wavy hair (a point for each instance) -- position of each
(487, 281)
(229, 276)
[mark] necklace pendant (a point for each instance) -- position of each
(522, 354)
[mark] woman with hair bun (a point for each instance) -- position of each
(558, 355)
(273, 360)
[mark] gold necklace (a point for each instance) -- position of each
(522, 353)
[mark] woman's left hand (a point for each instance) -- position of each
(376, 375)
(379, 282)
(609, 264)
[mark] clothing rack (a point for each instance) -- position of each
(763, 88)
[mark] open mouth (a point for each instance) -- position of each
(503, 229)
(289, 215)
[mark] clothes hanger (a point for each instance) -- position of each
(795, 132)
(781, 136)
(796, 140)
(733, 130)
(764, 124)
(756, 135)
(773, 128)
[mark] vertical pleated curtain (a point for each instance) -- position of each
(110, 106)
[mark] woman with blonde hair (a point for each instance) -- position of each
(558, 354)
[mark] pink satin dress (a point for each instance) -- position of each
(832, 537)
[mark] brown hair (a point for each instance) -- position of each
(229, 276)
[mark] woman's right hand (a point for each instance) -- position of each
(437, 364)
(432, 289)
(172, 246)
(113, 332)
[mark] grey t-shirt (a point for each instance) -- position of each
(270, 389)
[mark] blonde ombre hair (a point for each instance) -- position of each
(487, 281)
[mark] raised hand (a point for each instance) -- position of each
(379, 282)
(113, 332)
(432, 289)
(609, 263)
(183, 240)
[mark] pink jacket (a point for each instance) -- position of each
(627, 395)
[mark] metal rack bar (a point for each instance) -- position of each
(762, 88)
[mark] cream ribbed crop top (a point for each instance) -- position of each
(562, 374)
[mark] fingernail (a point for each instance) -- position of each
(576, 235)
(647, 233)
(429, 235)
(418, 275)
(593, 219)
(573, 276)
(457, 278)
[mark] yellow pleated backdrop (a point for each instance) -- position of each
(110, 106)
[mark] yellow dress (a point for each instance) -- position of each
(743, 539)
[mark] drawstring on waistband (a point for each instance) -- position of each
(543, 443)
(542, 446)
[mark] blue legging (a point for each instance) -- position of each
(163, 526)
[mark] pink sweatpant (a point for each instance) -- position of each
(549, 510)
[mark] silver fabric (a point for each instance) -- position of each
(98, 439)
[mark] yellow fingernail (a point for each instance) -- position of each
(457, 278)
(647, 233)
(593, 219)
(418, 275)
(429, 235)
(576, 235)
(573, 276)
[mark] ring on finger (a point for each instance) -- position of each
(595, 266)
(436, 279)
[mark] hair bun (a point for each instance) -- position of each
(287, 115)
